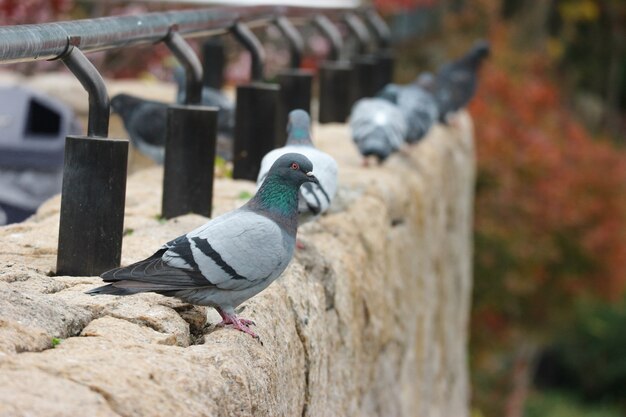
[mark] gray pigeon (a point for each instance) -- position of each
(378, 127)
(417, 104)
(146, 124)
(213, 98)
(456, 81)
(232, 257)
(314, 198)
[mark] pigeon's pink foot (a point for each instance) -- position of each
(236, 323)
(300, 245)
(366, 162)
(240, 324)
(247, 322)
(454, 121)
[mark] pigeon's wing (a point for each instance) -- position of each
(154, 274)
(420, 110)
(234, 251)
(148, 123)
(226, 115)
(378, 119)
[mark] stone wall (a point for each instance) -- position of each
(370, 319)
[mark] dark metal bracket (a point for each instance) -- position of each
(251, 43)
(91, 80)
(359, 30)
(94, 183)
(294, 39)
(379, 26)
(331, 33)
(190, 61)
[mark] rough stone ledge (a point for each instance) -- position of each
(369, 320)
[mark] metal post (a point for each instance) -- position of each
(255, 127)
(380, 28)
(213, 63)
(336, 91)
(336, 85)
(189, 144)
(256, 113)
(295, 83)
(94, 184)
(358, 29)
(294, 40)
(384, 54)
(190, 62)
(189, 160)
(367, 79)
(332, 35)
(248, 40)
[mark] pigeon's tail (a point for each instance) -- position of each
(111, 289)
(375, 146)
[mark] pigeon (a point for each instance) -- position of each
(213, 98)
(315, 199)
(146, 124)
(145, 121)
(378, 127)
(232, 257)
(417, 103)
(455, 83)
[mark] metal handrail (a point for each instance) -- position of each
(94, 178)
(47, 41)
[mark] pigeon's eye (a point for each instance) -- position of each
(295, 166)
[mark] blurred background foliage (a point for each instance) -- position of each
(549, 308)
(549, 301)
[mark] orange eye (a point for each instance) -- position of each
(295, 166)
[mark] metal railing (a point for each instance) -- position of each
(94, 176)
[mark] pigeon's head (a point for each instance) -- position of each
(426, 80)
(122, 103)
(481, 49)
(389, 93)
(294, 168)
(298, 127)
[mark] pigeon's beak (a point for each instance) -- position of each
(312, 177)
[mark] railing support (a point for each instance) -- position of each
(190, 62)
(257, 111)
(332, 35)
(386, 60)
(295, 83)
(367, 78)
(213, 63)
(380, 28)
(251, 43)
(189, 160)
(190, 141)
(336, 85)
(94, 184)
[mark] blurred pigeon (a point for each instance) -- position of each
(146, 124)
(378, 127)
(417, 104)
(455, 84)
(210, 97)
(232, 257)
(145, 121)
(314, 198)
